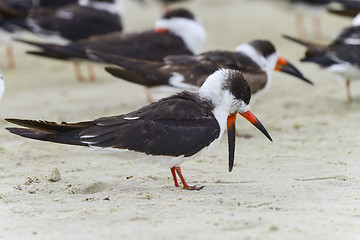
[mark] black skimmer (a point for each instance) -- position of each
(177, 32)
(309, 7)
(13, 18)
(342, 56)
(171, 130)
(77, 21)
(256, 59)
(12, 11)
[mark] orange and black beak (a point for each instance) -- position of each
(231, 122)
(283, 65)
(231, 128)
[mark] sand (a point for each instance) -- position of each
(304, 185)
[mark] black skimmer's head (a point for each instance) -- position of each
(263, 53)
(174, 129)
(229, 93)
(183, 24)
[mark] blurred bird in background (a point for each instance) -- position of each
(256, 59)
(72, 22)
(13, 15)
(341, 56)
(177, 32)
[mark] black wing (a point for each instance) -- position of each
(11, 8)
(146, 45)
(56, 3)
(84, 21)
(346, 47)
(178, 125)
(193, 69)
(174, 126)
(196, 69)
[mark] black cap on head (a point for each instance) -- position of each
(263, 46)
(238, 86)
(179, 12)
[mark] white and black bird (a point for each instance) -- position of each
(341, 56)
(256, 59)
(177, 32)
(12, 14)
(15, 17)
(77, 21)
(171, 130)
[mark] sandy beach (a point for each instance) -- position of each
(303, 185)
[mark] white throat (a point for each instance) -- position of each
(224, 102)
(190, 31)
(266, 64)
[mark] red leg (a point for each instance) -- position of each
(348, 90)
(300, 26)
(174, 176)
(317, 27)
(91, 72)
(187, 187)
(148, 95)
(165, 7)
(10, 56)
(78, 74)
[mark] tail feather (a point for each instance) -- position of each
(49, 131)
(143, 72)
(344, 12)
(131, 76)
(56, 51)
(48, 55)
(71, 138)
(13, 24)
(109, 58)
(314, 47)
(349, 4)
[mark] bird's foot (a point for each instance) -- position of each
(195, 187)
(177, 170)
